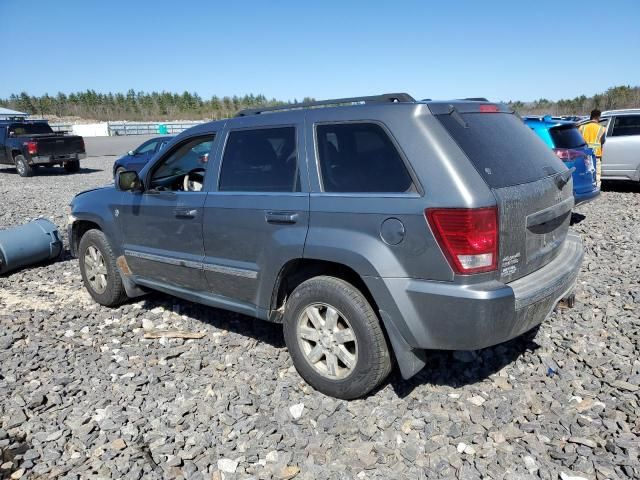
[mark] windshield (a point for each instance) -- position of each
(29, 129)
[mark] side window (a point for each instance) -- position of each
(360, 158)
(626, 125)
(147, 148)
(185, 160)
(260, 160)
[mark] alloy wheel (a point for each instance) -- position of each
(327, 341)
(95, 269)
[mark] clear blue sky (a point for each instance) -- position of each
(504, 50)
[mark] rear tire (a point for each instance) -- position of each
(23, 168)
(98, 268)
(335, 339)
(72, 166)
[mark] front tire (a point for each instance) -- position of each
(23, 168)
(72, 167)
(335, 339)
(98, 269)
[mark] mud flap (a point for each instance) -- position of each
(410, 360)
(132, 289)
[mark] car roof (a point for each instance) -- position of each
(21, 120)
(622, 111)
(289, 112)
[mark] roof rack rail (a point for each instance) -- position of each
(384, 98)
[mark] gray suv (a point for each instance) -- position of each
(372, 228)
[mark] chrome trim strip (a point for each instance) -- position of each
(210, 267)
(238, 272)
(162, 259)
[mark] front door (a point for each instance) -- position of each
(256, 217)
(162, 227)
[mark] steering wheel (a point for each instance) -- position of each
(194, 180)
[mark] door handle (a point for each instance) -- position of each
(186, 212)
(281, 217)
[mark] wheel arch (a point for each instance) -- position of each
(294, 272)
(78, 229)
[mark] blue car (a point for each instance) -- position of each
(567, 143)
(138, 158)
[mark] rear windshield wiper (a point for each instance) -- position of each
(453, 111)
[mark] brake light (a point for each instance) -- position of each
(489, 109)
(568, 154)
(32, 147)
(468, 237)
(82, 144)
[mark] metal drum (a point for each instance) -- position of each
(27, 244)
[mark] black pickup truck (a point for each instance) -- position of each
(28, 144)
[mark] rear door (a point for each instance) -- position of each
(532, 187)
(256, 215)
(621, 151)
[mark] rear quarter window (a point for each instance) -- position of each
(360, 158)
(503, 150)
(567, 137)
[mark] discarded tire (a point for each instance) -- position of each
(27, 244)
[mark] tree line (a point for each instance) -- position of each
(154, 106)
(613, 98)
(158, 106)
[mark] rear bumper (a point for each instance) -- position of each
(585, 197)
(53, 159)
(440, 315)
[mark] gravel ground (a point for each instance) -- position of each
(84, 395)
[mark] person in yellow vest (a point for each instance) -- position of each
(593, 134)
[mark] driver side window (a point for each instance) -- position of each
(185, 164)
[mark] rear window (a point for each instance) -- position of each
(628, 125)
(503, 150)
(30, 129)
(567, 137)
(261, 160)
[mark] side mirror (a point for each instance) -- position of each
(131, 153)
(128, 181)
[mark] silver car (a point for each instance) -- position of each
(621, 150)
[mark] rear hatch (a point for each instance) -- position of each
(570, 147)
(532, 187)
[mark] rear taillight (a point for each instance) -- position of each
(467, 236)
(568, 154)
(32, 147)
(82, 144)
